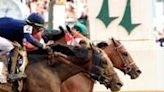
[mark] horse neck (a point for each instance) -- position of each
(63, 71)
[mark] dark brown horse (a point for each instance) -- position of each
(45, 78)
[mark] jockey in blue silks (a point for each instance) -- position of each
(16, 30)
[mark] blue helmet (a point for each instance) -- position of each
(35, 19)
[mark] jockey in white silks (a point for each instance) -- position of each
(5, 46)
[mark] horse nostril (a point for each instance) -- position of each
(120, 84)
(128, 68)
(139, 71)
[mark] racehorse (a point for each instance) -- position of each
(53, 76)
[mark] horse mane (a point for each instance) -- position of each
(102, 44)
(63, 48)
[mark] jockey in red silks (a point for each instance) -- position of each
(78, 33)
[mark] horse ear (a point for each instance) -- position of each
(92, 46)
(62, 29)
(114, 41)
(68, 29)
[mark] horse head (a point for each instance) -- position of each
(103, 66)
(120, 58)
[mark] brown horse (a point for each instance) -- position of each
(120, 57)
(53, 76)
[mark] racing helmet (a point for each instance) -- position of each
(35, 19)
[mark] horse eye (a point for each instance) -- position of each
(128, 68)
(125, 54)
(104, 62)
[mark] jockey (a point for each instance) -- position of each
(16, 30)
(78, 35)
(5, 46)
(81, 28)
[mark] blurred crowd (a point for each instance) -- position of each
(39, 6)
(75, 10)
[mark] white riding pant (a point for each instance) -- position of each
(5, 46)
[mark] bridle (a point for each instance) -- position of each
(127, 67)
